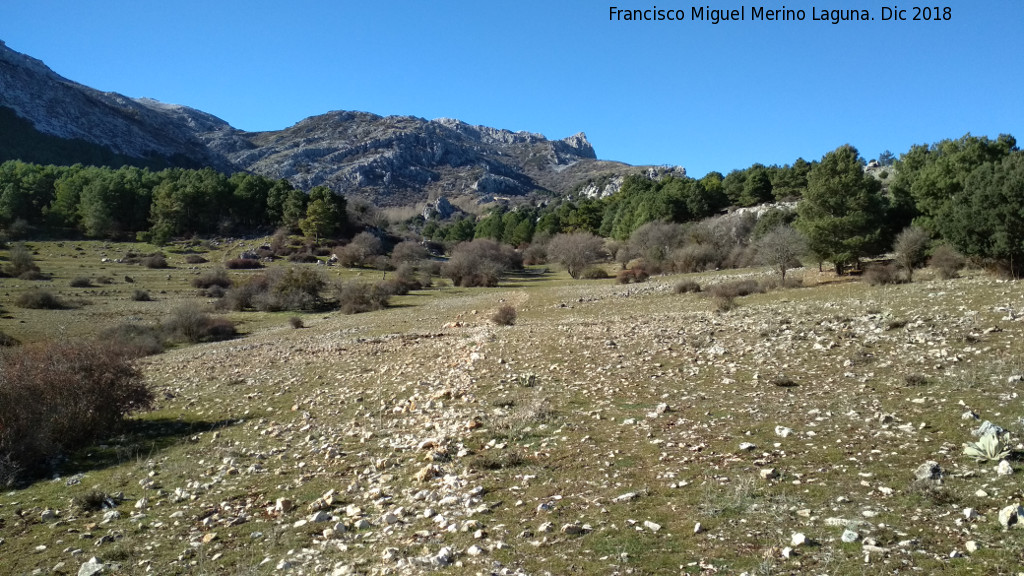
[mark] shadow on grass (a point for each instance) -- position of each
(140, 439)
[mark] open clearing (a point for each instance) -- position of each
(592, 437)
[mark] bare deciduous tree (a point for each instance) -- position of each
(782, 249)
(575, 251)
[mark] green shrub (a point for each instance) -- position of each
(61, 396)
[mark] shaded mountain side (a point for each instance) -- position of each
(393, 160)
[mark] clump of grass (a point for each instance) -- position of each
(498, 460)
(38, 299)
(915, 379)
(92, 501)
(505, 315)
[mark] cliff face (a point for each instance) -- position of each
(391, 160)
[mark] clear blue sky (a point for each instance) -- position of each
(704, 96)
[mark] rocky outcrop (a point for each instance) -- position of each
(393, 160)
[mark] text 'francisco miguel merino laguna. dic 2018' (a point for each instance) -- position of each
(782, 14)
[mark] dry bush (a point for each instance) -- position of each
(408, 251)
(575, 251)
(154, 261)
(7, 341)
(947, 261)
(481, 262)
(216, 277)
(60, 396)
(134, 340)
(505, 315)
(20, 262)
(303, 258)
(882, 274)
(141, 296)
(357, 297)
(686, 286)
(634, 274)
(909, 249)
(278, 289)
(361, 251)
(736, 288)
(242, 264)
(594, 273)
(535, 254)
(696, 258)
(296, 322)
(80, 282)
(195, 259)
(188, 323)
(39, 299)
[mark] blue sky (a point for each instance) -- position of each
(704, 96)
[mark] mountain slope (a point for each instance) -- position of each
(390, 160)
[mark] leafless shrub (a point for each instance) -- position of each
(686, 286)
(80, 282)
(188, 323)
(947, 261)
(215, 277)
(594, 273)
(481, 262)
(781, 249)
(242, 264)
(154, 261)
(358, 297)
(195, 259)
(575, 251)
(60, 396)
(505, 315)
(909, 249)
(361, 251)
(882, 274)
(296, 322)
(39, 299)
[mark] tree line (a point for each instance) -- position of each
(133, 202)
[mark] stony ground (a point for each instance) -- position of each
(611, 430)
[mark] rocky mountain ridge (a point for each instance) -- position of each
(393, 160)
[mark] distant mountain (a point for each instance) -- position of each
(391, 160)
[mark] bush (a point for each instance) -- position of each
(216, 277)
(278, 289)
(141, 296)
(409, 251)
(481, 262)
(696, 258)
(80, 282)
(724, 302)
(505, 315)
(154, 261)
(882, 274)
(60, 396)
(20, 262)
(947, 261)
(296, 322)
(575, 251)
(686, 286)
(535, 254)
(357, 297)
(7, 341)
(303, 258)
(134, 340)
(187, 323)
(634, 274)
(594, 273)
(361, 251)
(40, 300)
(195, 259)
(736, 288)
(242, 264)
(909, 249)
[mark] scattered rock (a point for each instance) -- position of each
(652, 526)
(798, 539)
(1004, 468)
(92, 567)
(849, 536)
(930, 470)
(1010, 515)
